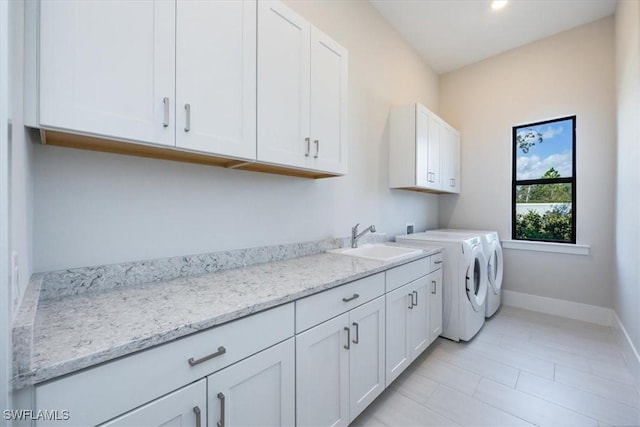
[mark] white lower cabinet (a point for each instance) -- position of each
(258, 391)
(340, 366)
(407, 326)
(435, 304)
(182, 408)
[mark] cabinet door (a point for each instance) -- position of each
(258, 391)
(419, 333)
(182, 408)
(450, 160)
(435, 304)
(216, 77)
(398, 354)
(283, 85)
(366, 357)
(322, 374)
(108, 68)
(423, 177)
(328, 121)
(433, 155)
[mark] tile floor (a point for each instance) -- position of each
(523, 368)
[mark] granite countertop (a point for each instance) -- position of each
(78, 331)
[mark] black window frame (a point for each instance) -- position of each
(565, 180)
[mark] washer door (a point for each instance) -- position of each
(476, 280)
(495, 268)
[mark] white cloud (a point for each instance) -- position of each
(550, 132)
(532, 167)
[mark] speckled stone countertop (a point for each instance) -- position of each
(78, 331)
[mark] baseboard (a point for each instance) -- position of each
(631, 354)
(557, 307)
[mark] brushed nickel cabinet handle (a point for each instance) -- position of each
(165, 121)
(416, 294)
(348, 346)
(437, 262)
(187, 123)
(221, 398)
(356, 340)
(220, 352)
(308, 141)
(433, 286)
(410, 301)
(317, 142)
(350, 298)
(196, 410)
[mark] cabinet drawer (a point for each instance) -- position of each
(436, 261)
(406, 273)
(323, 306)
(98, 394)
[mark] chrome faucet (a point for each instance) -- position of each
(355, 236)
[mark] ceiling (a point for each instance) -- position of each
(450, 34)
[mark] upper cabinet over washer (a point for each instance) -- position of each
(302, 92)
(424, 151)
(250, 84)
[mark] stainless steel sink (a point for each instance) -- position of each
(380, 252)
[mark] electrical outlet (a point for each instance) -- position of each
(410, 227)
(15, 272)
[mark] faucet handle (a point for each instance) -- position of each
(355, 227)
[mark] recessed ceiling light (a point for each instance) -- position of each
(498, 4)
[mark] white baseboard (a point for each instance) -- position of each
(557, 307)
(631, 354)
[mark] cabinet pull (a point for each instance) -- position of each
(350, 298)
(317, 142)
(416, 294)
(220, 352)
(433, 286)
(196, 410)
(221, 398)
(187, 123)
(410, 301)
(438, 262)
(308, 141)
(356, 340)
(165, 121)
(348, 345)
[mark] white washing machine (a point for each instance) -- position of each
(495, 265)
(464, 284)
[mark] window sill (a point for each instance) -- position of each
(558, 248)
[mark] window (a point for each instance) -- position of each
(544, 181)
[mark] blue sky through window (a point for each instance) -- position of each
(555, 151)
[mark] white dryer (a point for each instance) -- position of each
(495, 265)
(464, 284)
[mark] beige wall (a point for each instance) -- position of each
(570, 73)
(97, 208)
(627, 252)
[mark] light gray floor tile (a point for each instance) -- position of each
(580, 401)
(515, 358)
(468, 411)
(600, 386)
(398, 410)
(452, 376)
(528, 407)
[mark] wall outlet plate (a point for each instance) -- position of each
(410, 227)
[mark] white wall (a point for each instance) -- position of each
(97, 208)
(16, 184)
(570, 73)
(627, 253)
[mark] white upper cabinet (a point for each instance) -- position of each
(329, 73)
(283, 85)
(451, 159)
(302, 93)
(424, 151)
(216, 77)
(106, 68)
